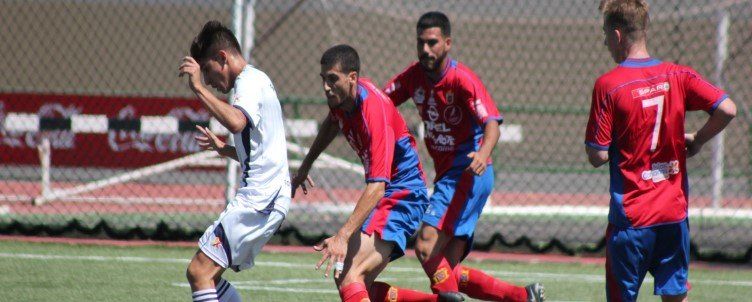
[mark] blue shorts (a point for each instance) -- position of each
(457, 201)
(396, 217)
(662, 250)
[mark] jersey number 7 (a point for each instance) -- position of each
(656, 101)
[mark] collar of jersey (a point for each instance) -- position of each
(362, 95)
(637, 63)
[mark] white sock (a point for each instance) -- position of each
(205, 295)
(226, 292)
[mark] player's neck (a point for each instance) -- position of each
(237, 64)
(435, 75)
(638, 51)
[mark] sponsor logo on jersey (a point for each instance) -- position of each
(453, 115)
(650, 90)
(419, 96)
(433, 113)
(661, 171)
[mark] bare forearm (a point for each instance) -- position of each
(716, 122)
(228, 151)
(367, 201)
(491, 136)
(230, 117)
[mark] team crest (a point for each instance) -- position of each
(392, 295)
(440, 276)
(216, 242)
(464, 277)
(450, 97)
(419, 96)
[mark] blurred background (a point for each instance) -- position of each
(96, 134)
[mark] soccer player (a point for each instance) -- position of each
(462, 128)
(255, 120)
(395, 197)
(637, 126)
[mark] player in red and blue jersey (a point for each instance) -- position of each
(462, 128)
(637, 126)
(395, 198)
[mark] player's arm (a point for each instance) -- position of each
(327, 133)
(596, 157)
(396, 89)
(373, 192)
(210, 142)
(477, 99)
(718, 120)
(598, 130)
(232, 118)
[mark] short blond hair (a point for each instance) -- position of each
(630, 16)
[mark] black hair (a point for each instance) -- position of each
(344, 55)
(435, 19)
(213, 37)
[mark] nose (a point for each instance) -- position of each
(424, 48)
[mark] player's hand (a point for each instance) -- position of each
(479, 163)
(300, 180)
(333, 249)
(189, 66)
(693, 147)
(209, 141)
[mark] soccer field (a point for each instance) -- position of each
(62, 272)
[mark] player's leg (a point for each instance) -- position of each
(368, 256)
(202, 273)
(479, 285)
(228, 244)
(384, 236)
(473, 282)
(627, 254)
(439, 222)
(670, 263)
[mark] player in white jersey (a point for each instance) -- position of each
(255, 119)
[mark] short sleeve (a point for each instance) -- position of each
(247, 97)
(397, 88)
(700, 94)
(478, 101)
(598, 133)
(380, 142)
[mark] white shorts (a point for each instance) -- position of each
(239, 232)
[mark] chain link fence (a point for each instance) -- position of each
(70, 67)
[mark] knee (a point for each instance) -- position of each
(195, 274)
(422, 250)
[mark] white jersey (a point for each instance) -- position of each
(261, 147)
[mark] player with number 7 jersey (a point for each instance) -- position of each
(637, 114)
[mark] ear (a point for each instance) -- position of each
(222, 57)
(448, 43)
(619, 36)
(353, 77)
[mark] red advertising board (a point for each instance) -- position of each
(115, 148)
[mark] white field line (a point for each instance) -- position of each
(581, 278)
(541, 211)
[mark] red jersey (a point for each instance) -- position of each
(378, 134)
(637, 114)
(454, 111)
